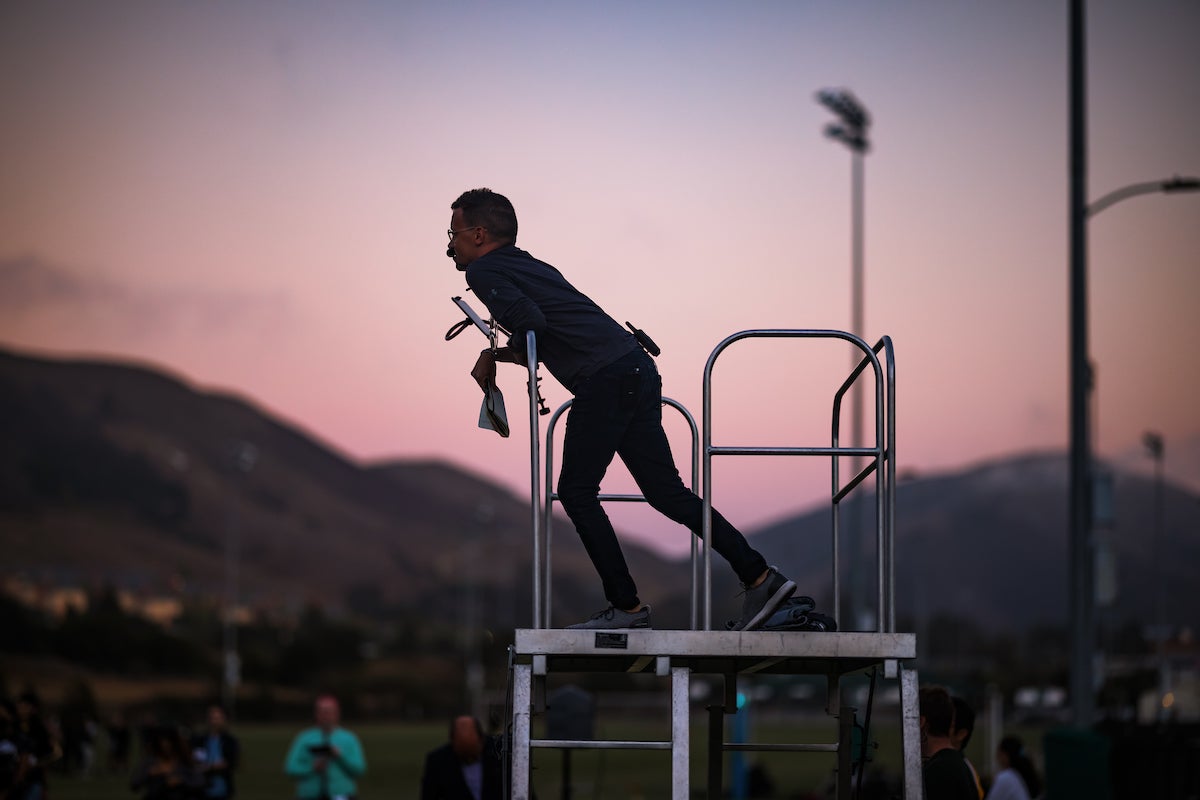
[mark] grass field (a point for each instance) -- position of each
(396, 752)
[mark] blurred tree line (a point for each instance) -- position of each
(398, 667)
(395, 664)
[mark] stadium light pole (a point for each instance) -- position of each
(1156, 450)
(851, 130)
(242, 458)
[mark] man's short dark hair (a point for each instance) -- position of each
(490, 210)
(937, 709)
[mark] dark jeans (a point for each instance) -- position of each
(618, 411)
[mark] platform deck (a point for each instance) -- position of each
(709, 652)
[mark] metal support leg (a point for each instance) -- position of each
(716, 750)
(833, 692)
(716, 734)
(910, 734)
(845, 754)
(522, 675)
(680, 744)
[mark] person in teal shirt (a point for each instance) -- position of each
(326, 760)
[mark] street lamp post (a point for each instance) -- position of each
(1079, 512)
(851, 130)
(1166, 186)
(1082, 475)
(1079, 551)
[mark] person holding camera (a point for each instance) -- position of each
(616, 411)
(217, 754)
(326, 760)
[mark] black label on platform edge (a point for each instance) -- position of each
(612, 641)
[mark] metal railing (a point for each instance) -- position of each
(881, 461)
(550, 496)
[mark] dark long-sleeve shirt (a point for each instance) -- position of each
(574, 335)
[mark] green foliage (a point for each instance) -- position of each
(107, 638)
(319, 647)
(24, 630)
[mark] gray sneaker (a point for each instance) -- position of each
(762, 601)
(613, 618)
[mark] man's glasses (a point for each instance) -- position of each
(451, 233)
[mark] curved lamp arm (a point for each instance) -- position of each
(1176, 184)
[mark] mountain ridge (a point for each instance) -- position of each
(124, 475)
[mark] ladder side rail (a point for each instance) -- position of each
(885, 483)
(551, 496)
(882, 491)
(910, 734)
(882, 488)
(535, 449)
(522, 681)
(681, 678)
(885, 494)
(548, 510)
(885, 343)
(697, 591)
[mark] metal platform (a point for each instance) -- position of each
(709, 652)
(537, 653)
(540, 651)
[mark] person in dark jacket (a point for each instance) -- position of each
(616, 411)
(166, 772)
(465, 768)
(944, 770)
(217, 754)
(40, 748)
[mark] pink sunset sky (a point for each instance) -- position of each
(253, 196)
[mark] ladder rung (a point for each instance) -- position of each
(590, 744)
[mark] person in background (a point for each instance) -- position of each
(165, 771)
(217, 753)
(120, 738)
(1018, 778)
(326, 760)
(12, 760)
(465, 768)
(944, 770)
(960, 734)
(39, 748)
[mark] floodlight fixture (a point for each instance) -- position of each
(852, 139)
(851, 130)
(843, 103)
